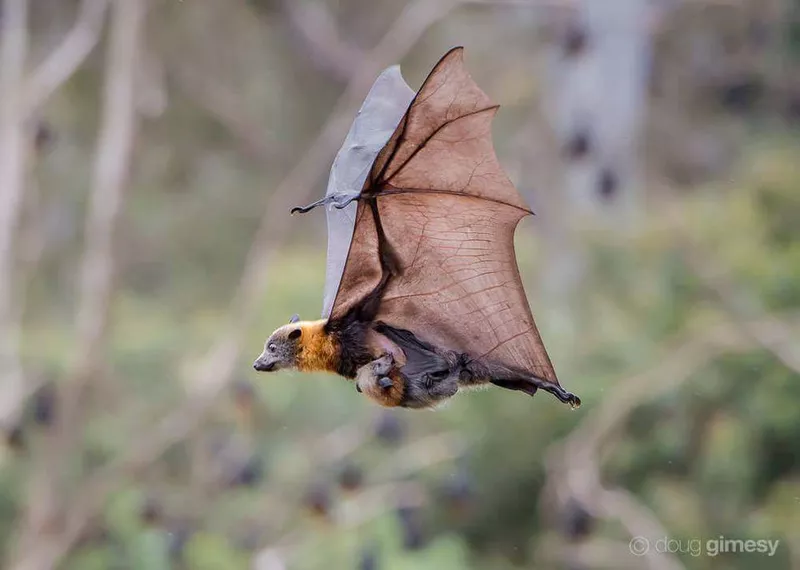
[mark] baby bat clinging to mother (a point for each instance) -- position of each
(423, 295)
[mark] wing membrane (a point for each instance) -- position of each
(449, 213)
(384, 106)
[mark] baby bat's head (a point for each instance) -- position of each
(282, 348)
(381, 382)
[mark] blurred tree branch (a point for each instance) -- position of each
(21, 96)
(223, 106)
(315, 26)
(65, 59)
(110, 178)
(13, 54)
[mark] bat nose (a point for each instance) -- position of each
(262, 366)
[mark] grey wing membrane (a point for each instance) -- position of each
(384, 106)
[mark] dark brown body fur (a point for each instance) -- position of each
(350, 336)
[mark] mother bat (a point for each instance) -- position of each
(423, 294)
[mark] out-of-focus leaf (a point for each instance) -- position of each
(150, 551)
(206, 551)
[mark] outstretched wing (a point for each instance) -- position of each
(448, 212)
(384, 106)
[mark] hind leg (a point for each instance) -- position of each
(476, 372)
(531, 385)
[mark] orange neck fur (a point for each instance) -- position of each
(319, 351)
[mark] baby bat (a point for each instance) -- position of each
(423, 295)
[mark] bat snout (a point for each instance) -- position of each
(264, 365)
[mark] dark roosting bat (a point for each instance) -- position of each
(423, 294)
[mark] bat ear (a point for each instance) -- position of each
(294, 318)
(295, 334)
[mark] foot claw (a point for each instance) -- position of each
(385, 382)
(568, 398)
(564, 396)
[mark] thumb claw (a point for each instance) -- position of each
(385, 382)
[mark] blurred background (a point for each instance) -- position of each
(149, 153)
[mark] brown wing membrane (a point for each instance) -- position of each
(448, 213)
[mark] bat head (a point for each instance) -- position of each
(281, 349)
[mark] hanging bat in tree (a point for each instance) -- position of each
(423, 295)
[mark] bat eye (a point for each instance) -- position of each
(272, 347)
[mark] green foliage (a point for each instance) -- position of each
(149, 550)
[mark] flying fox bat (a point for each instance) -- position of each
(423, 295)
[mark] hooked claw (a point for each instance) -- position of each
(339, 201)
(306, 209)
(385, 382)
